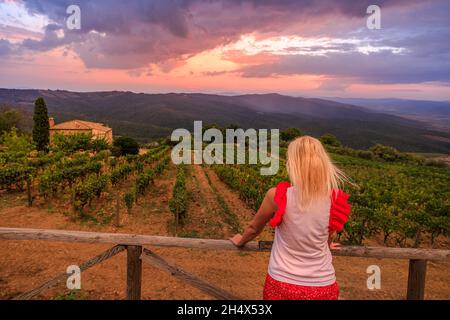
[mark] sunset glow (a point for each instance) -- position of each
(333, 54)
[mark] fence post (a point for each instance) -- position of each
(177, 221)
(134, 272)
(416, 279)
(117, 215)
(29, 194)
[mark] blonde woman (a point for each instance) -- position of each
(306, 213)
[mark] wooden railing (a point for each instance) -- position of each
(136, 254)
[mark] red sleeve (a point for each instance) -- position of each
(281, 200)
(339, 212)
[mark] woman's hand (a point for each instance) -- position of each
(335, 246)
(236, 240)
(264, 214)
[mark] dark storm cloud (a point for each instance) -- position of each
(422, 34)
(134, 34)
(117, 16)
(139, 22)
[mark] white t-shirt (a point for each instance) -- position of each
(300, 253)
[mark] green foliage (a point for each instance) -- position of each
(364, 154)
(290, 134)
(331, 140)
(228, 215)
(14, 174)
(17, 147)
(40, 160)
(121, 173)
(212, 126)
(385, 152)
(130, 158)
(178, 202)
(71, 295)
(71, 142)
(244, 180)
(125, 145)
(41, 126)
(144, 179)
(91, 188)
(49, 182)
(162, 165)
(129, 199)
(139, 166)
(66, 173)
(112, 161)
(9, 119)
(99, 144)
(154, 154)
(400, 199)
(102, 155)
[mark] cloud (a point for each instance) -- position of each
(417, 54)
(339, 85)
(377, 67)
(5, 47)
(153, 31)
(141, 34)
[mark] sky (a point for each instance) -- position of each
(311, 48)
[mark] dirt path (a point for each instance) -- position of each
(202, 218)
(242, 211)
(27, 264)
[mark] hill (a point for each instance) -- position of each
(150, 116)
(436, 114)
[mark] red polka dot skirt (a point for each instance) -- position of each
(276, 290)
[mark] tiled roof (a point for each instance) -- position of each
(80, 125)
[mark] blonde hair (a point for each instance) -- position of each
(311, 171)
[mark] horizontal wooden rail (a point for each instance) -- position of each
(209, 244)
(416, 278)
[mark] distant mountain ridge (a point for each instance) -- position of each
(434, 113)
(149, 116)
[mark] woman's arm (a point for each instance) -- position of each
(333, 245)
(262, 217)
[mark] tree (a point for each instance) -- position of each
(9, 118)
(17, 147)
(99, 144)
(330, 140)
(125, 145)
(290, 134)
(211, 126)
(41, 127)
(385, 152)
(71, 142)
(16, 143)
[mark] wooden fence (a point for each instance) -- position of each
(133, 244)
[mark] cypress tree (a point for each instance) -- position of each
(41, 127)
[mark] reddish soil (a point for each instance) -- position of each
(203, 218)
(244, 214)
(24, 265)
